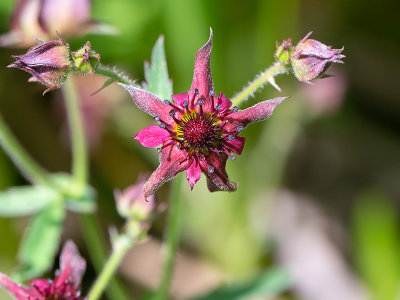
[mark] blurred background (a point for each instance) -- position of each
(318, 182)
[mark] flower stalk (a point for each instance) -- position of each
(267, 76)
(23, 161)
(113, 74)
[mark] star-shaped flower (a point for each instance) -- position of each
(197, 132)
(66, 285)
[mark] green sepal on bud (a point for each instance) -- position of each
(284, 52)
(86, 60)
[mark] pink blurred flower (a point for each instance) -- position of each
(42, 18)
(131, 202)
(198, 131)
(66, 285)
(311, 58)
(48, 63)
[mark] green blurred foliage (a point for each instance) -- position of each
(332, 158)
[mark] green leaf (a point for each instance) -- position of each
(84, 203)
(156, 73)
(26, 200)
(266, 286)
(41, 242)
(377, 245)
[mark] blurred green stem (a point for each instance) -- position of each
(120, 246)
(173, 234)
(91, 231)
(28, 167)
(113, 74)
(267, 76)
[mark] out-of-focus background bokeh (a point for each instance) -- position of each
(319, 182)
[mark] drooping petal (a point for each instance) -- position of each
(149, 103)
(193, 173)
(202, 74)
(179, 98)
(152, 136)
(172, 162)
(236, 145)
(257, 112)
(19, 291)
(71, 263)
(224, 102)
(217, 180)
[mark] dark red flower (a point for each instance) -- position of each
(48, 63)
(199, 131)
(66, 285)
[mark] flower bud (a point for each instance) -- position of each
(284, 51)
(131, 203)
(311, 58)
(85, 59)
(48, 63)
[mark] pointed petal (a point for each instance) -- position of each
(172, 162)
(202, 74)
(224, 102)
(193, 173)
(218, 180)
(178, 98)
(152, 136)
(257, 112)
(19, 291)
(72, 263)
(236, 145)
(149, 103)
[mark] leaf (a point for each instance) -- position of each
(26, 200)
(41, 242)
(85, 203)
(105, 84)
(156, 73)
(266, 286)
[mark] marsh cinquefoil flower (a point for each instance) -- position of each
(66, 285)
(198, 132)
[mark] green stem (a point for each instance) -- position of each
(80, 172)
(121, 245)
(173, 234)
(79, 152)
(28, 167)
(114, 74)
(266, 76)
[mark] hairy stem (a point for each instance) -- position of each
(172, 236)
(267, 76)
(22, 160)
(113, 74)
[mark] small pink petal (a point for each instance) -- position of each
(152, 136)
(257, 112)
(236, 145)
(72, 265)
(179, 98)
(149, 103)
(41, 285)
(217, 180)
(19, 291)
(193, 173)
(224, 102)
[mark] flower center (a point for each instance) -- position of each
(199, 132)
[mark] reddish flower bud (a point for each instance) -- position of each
(131, 202)
(48, 63)
(311, 58)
